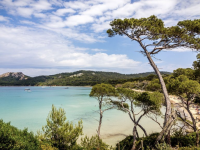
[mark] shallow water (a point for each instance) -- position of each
(30, 109)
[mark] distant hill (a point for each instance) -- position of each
(14, 76)
(78, 78)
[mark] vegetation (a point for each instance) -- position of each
(148, 102)
(12, 138)
(63, 79)
(58, 132)
(93, 143)
(152, 30)
(101, 92)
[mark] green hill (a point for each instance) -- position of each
(78, 78)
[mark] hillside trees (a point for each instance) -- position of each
(151, 30)
(58, 132)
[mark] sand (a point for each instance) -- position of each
(176, 102)
(116, 129)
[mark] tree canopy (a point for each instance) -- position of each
(184, 34)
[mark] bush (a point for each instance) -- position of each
(12, 138)
(93, 143)
(183, 140)
(148, 142)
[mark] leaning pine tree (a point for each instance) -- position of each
(151, 30)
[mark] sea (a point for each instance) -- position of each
(28, 107)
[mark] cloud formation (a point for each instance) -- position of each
(58, 34)
(28, 48)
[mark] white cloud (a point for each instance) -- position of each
(39, 15)
(24, 47)
(180, 49)
(55, 24)
(25, 12)
(78, 20)
(98, 50)
(101, 27)
(75, 34)
(41, 5)
(26, 8)
(82, 5)
(4, 19)
(63, 11)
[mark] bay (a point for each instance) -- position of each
(30, 108)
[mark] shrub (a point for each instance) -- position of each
(12, 138)
(93, 143)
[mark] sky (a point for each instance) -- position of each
(45, 37)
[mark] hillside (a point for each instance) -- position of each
(78, 78)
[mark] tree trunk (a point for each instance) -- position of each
(134, 138)
(100, 121)
(138, 125)
(197, 138)
(168, 140)
(194, 124)
(164, 89)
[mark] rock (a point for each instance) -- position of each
(19, 75)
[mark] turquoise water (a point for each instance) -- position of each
(29, 109)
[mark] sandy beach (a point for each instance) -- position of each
(176, 103)
(116, 129)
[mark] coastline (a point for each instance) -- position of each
(176, 102)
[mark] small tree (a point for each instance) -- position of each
(148, 102)
(102, 92)
(60, 133)
(186, 90)
(151, 30)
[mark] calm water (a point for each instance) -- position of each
(30, 109)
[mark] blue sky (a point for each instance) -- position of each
(46, 37)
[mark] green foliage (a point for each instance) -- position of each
(93, 143)
(184, 34)
(182, 85)
(178, 139)
(183, 140)
(135, 85)
(126, 94)
(150, 101)
(88, 78)
(12, 138)
(148, 142)
(154, 85)
(192, 28)
(196, 64)
(188, 72)
(151, 26)
(59, 132)
(102, 90)
(189, 148)
(163, 146)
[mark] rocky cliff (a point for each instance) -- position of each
(18, 75)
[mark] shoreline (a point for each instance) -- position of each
(175, 101)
